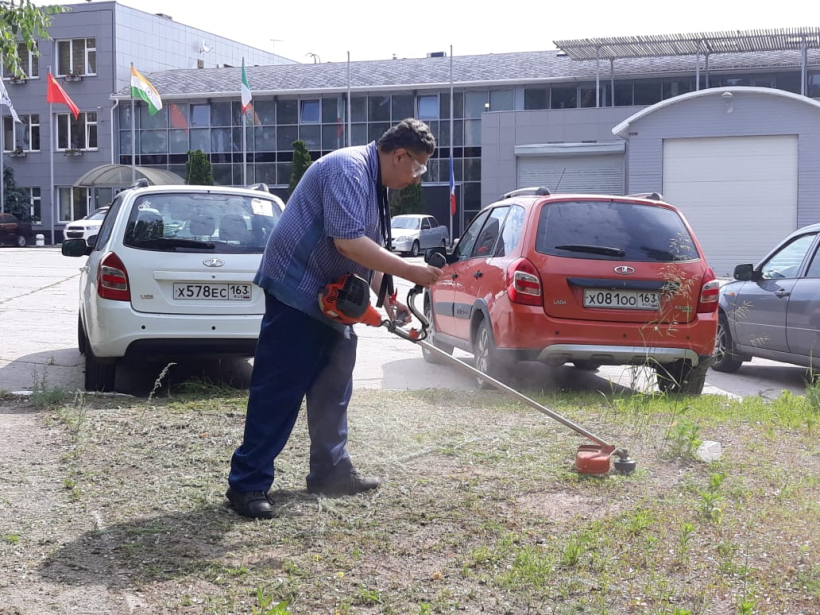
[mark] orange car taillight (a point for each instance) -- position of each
(709, 292)
(524, 283)
(112, 279)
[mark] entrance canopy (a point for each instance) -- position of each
(114, 175)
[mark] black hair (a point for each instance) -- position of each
(409, 134)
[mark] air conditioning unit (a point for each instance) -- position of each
(437, 54)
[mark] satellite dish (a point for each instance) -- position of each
(204, 47)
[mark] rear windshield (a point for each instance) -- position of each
(212, 223)
(612, 230)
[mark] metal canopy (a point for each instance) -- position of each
(613, 48)
(120, 175)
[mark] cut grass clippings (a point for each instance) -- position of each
(480, 509)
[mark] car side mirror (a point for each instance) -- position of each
(437, 257)
(743, 273)
(75, 247)
(91, 241)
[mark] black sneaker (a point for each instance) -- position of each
(351, 484)
(253, 504)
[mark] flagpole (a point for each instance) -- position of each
(3, 162)
(349, 107)
(452, 138)
(244, 139)
(133, 136)
(51, 137)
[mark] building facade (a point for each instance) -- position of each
(90, 54)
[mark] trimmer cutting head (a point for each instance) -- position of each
(595, 459)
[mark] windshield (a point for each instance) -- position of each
(97, 214)
(213, 223)
(613, 230)
(405, 223)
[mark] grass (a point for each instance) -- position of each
(480, 508)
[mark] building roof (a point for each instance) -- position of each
(691, 44)
(434, 73)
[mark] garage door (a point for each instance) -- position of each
(590, 174)
(739, 194)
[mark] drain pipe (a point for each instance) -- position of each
(116, 104)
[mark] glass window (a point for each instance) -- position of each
(311, 111)
(177, 115)
(360, 134)
(29, 63)
(814, 268)
(108, 224)
(468, 239)
(512, 231)
(678, 87)
(77, 57)
(622, 231)
(728, 81)
(588, 97)
(72, 203)
(154, 142)
(762, 81)
(201, 116)
(358, 108)
(472, 169)
(35, 204)
(403, 107)
(472, 133)
(264, 112)
(623, 95)
(264, 138)
(786, 262)
(502, 100)
(458, 103)
(375, 131)
(333, 110)
(536, 98)
(428, 107)
(485, 246)
(475, 104)
(312, 136)
(287, 112)
(220, 140)
(178, 141)
(564, 97)
(647, 92)
(378, 108)
(789, 82)
(333, 136)
(79, 134)
(285, 136)
(158, 120)
(220, 114)
(201, 140)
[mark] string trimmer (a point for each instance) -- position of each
(348, 301)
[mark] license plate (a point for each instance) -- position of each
(621, 299)
(212, 292)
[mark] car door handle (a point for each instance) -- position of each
(782, 293)
(454, 276)
(477, 274)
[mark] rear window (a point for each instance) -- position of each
(211, 223)
(612, 230)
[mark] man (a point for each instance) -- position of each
(334, 223)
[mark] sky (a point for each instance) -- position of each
(375, 30)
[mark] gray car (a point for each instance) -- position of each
(413, 233)
(772, 309)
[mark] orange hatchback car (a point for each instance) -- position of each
(584, 279)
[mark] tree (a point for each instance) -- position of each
(301, 162)
(15, 200)
(409, 200)
(22, 24)
(198, 169)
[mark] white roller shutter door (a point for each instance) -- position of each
(588, 174)
(739, 194)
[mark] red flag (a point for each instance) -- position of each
(452, 189)
(56, 94)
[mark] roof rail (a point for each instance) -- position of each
(140, 183)
(652, 196)
(260, 186)
(532, 191)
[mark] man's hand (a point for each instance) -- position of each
(398, 312)
(423, 275)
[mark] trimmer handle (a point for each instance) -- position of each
(436, 260)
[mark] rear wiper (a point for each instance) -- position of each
(174, 242)
(606, 251)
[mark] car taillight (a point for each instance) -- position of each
(112, 279)
(709, 292)
(524, 283)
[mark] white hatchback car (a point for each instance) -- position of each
(171, 273)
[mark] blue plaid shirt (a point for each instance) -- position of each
(336, 198)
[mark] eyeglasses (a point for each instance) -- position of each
(418, 168)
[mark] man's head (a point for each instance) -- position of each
(403, 151)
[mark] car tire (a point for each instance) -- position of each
(681, 378)
(433, 357)
(486, 356)
(99, 375)
(81, 341)
(586, 366)
(727, 358)
(414, 250)
(20, 241)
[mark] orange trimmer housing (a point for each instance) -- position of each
(347, 301)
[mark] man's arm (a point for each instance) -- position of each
(368, 253)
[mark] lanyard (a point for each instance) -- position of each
(387, 236)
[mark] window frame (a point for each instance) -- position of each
(87, 125)
(86, 49)
(29, 62)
